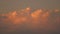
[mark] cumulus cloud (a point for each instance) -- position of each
(26, 22)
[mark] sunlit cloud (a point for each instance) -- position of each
(27, 20)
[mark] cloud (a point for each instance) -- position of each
(37, 21)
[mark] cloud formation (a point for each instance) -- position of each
(26, 22)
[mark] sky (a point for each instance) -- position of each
(27, 21)
(11, 5)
